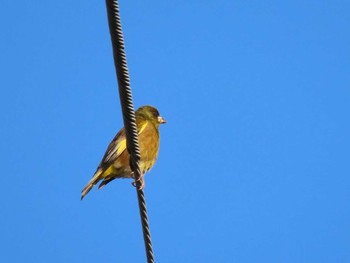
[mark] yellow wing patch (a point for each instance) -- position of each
(110, 170)
(122, 143)
(121, 147)
(143, 127)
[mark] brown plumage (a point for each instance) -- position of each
(115, 162)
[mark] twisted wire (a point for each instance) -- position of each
(127, 105)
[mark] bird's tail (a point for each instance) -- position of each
(91, 183)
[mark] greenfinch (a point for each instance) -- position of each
(115, 162)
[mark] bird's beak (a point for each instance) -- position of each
(161, 120)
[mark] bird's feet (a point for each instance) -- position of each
(142, 182)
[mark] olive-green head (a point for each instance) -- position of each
(151, 114)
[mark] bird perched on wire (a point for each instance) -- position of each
(115, 162)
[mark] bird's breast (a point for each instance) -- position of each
(149, 146)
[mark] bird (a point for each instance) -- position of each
(115, 162)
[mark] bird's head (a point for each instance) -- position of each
(151, 114)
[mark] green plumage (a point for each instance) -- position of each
(115, 162)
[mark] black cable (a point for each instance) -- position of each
(127, 105)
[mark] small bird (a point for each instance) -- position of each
(115, 162)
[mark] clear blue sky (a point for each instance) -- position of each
(254, 160)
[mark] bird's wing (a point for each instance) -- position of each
(115, 148)
(118, 144)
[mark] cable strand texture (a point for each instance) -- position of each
(128, 112)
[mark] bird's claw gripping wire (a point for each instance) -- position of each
(141, 179)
